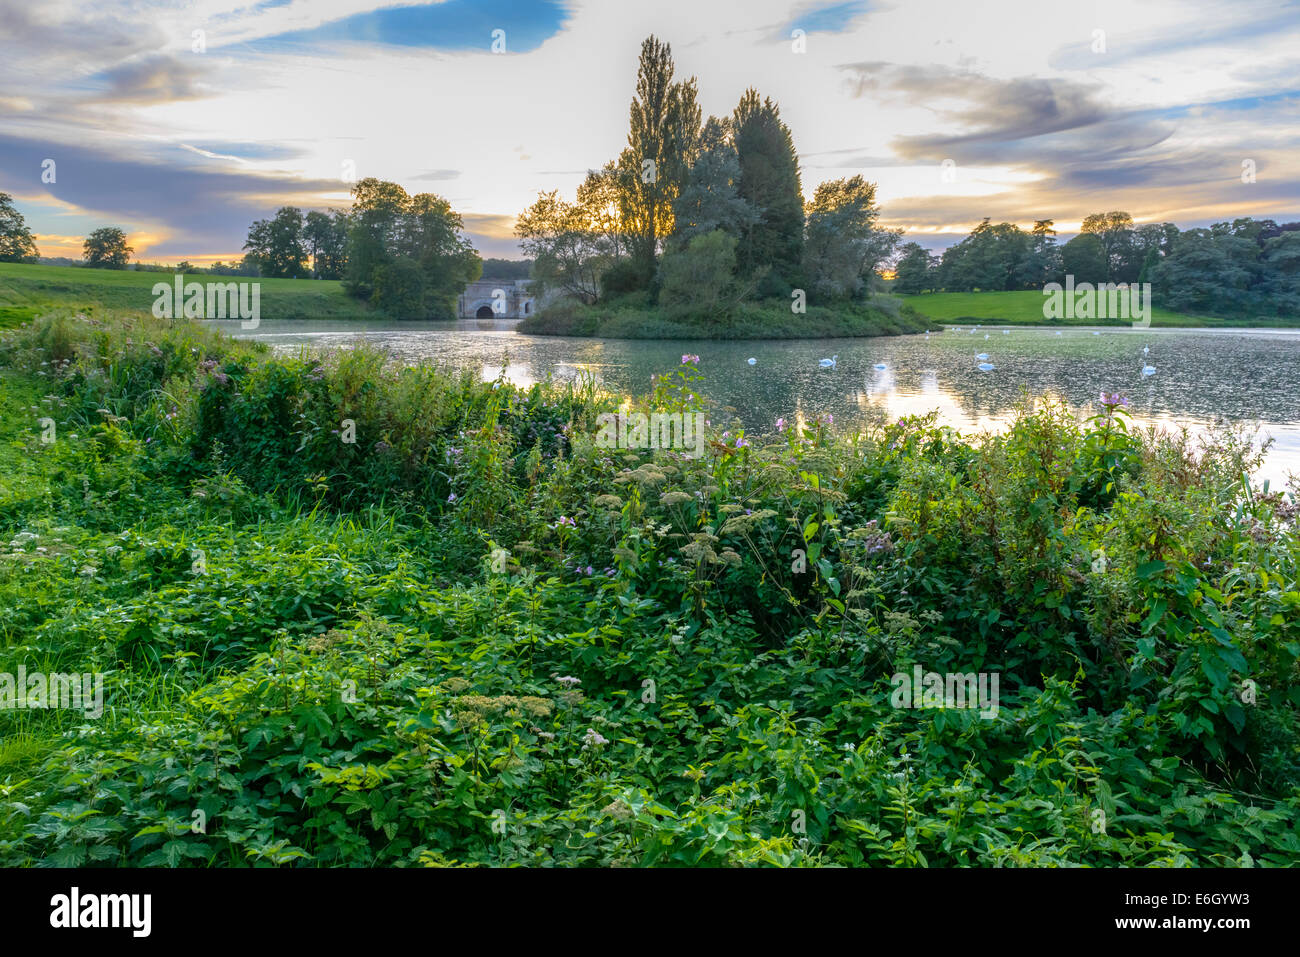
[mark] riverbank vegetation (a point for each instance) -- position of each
(1024, 307)
(630, 318)
(1247, 269)
(351, 613)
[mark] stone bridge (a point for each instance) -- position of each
(496, 299)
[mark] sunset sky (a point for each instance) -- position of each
(184, 149)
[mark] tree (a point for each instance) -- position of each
(769, 180)
(278, 244)
(990, 258)
(598, 202)
(711, 196)
(916, 269)
(326, 238)
(107, 247)
(1084, 258)
(374, 232)
(16, 242)
(406, 254)
(664, 129)
(700, 273)
(1041, 262)
(1115, 230)
(400, 288)
(843, 247)
(569, 255)
(432, 236)
(1206, 272)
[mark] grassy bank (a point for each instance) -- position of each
(473, 636)
(1026, 308)
(27, 291)
(621, 319)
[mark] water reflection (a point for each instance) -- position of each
(1201, 375)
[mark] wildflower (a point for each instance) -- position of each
(593, 738)
(687, 358)
(567, 680)
(780, 425)
(741, 443)
(451, 498)
(618, 809)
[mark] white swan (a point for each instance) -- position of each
(982, 355)
(753, 361)
(828, 363)
(1148, 370)
(986, 367)
(880, 367)
(1146, 349)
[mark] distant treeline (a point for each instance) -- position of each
(1245, 265)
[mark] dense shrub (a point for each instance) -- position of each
(475, 636)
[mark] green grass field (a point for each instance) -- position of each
(28, 290)
(1026, 307)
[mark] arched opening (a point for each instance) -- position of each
(484, 312)
(527, 306)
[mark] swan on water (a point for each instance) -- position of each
(828, 363)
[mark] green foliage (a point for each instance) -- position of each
(630, 317)
(16, 241)
(770, 182)
(700, 274)
(278, 245)
(106, 247)
(843, 247)
(407, 254)
(476, 637)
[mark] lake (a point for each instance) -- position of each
(1249, 376)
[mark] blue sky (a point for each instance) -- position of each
(1046, 109)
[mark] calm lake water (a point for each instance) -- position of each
(1249, 376)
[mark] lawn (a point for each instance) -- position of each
(28, 290)
(1026, 307)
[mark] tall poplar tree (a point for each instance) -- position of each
(663, 136)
